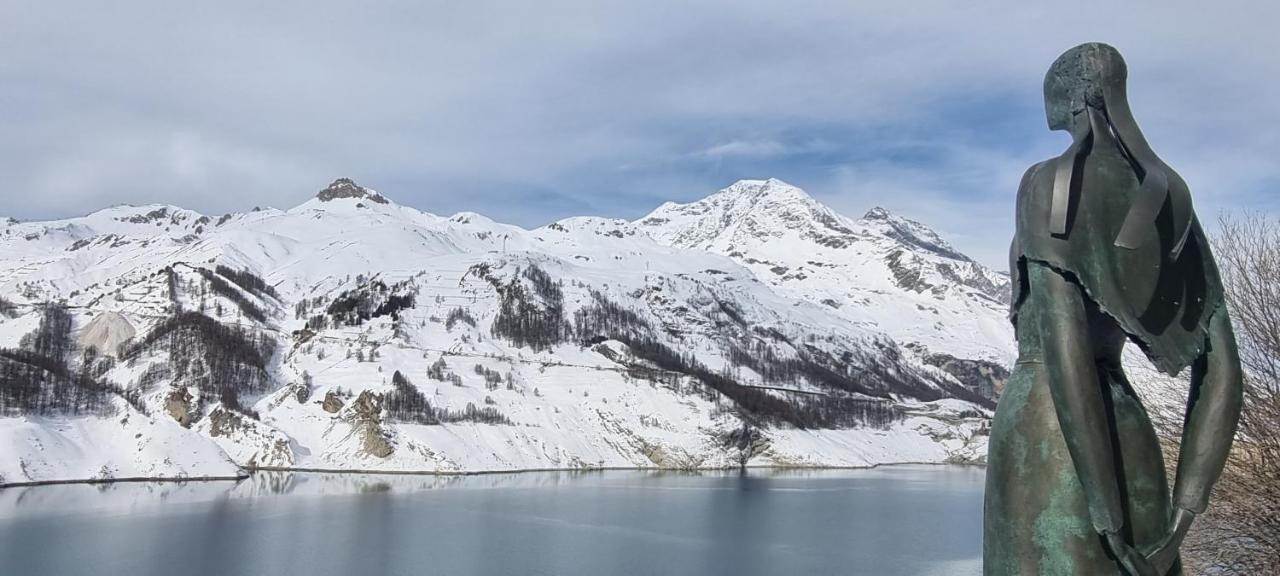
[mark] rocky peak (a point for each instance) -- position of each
(746, 209)
(745, 196)
(770, 195)
(911, 233)
(770, 189)
(877, 213)
(347, 188)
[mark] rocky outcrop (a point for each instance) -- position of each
(295, 391)
(249, 442)
(745, 443)
(670, 457)
(224, 423)
(346, 188)
(985, 378)
(332, 402)
(365, 416)
(178, 405)
(906, 273)
(913, 233)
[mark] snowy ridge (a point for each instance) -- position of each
(756, 326)
(882, 271)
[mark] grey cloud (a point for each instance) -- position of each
(531, 111)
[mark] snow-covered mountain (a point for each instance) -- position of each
(882, 271)
(755, 326)
(894, 273)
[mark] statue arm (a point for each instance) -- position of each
(1077, 393)
(1213, 411)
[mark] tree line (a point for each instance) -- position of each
(540, 324)
(223, 288)
(525, 322)
(220, 360)
(248, 280)
(369, 300)
(405, 403)
(38, 377)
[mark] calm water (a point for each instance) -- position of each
(887, 521)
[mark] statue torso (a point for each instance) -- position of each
(1163, 304)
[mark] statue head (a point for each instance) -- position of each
(1084, 91)
(1084, 76)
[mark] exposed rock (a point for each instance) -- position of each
(332, 403)
(303, 336)
(346, 188)
(969, 274)
(365, 416)
(671, 458)
(296, 391)
(746, 443)
(604, 350)
(149, 217)
(248, 442)
(906, 272)
(914, 233)
(985, 378)
(104, 473)
(224, 423)
(178, 405)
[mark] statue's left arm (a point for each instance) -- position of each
(1213, 412)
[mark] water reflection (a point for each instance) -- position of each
(894, 520)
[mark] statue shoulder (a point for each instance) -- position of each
(1034, 194)
(1031, 190)
(1035, 173)
(1036, 182)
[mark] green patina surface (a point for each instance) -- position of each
(1058, 526)
(1073, 453)
(1037, 519)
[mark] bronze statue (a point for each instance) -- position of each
(1107, 248)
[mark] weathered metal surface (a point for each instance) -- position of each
(1076, 481)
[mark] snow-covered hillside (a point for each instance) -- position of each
(883, 271)
(352, 333)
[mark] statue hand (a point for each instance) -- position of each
(1165, 553)
(1133, 561)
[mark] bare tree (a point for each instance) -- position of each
(1248, 252)
(1240, 533)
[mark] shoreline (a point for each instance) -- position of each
(126, 479)
(249, 472)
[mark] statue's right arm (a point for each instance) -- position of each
(1077, 392)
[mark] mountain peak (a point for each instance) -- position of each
(767, 191)
(745, 210)
(877, 213)
(912, 233)
(347, 188)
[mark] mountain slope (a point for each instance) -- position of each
(894, 274)
(351, 332)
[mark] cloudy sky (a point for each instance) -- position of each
(533, 111)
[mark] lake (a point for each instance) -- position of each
(896, 520)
